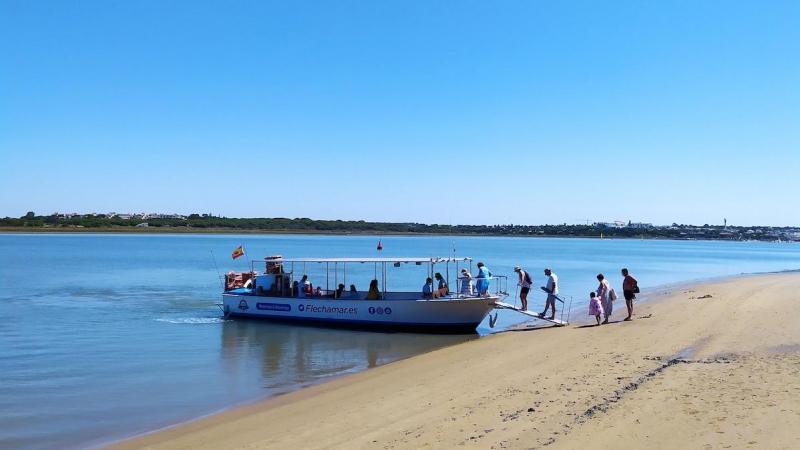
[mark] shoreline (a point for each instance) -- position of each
(229, 231)
(229, 428)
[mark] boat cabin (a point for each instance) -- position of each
(275, 277)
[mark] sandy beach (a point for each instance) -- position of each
(711, 365)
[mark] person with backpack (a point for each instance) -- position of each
(525, 282)
(552, 293)
(630, 287)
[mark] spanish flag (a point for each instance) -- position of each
(239, 251)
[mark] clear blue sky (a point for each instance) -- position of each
(439, 112)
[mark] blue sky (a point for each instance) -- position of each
(439, 112)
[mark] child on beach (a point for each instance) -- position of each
(595, 307)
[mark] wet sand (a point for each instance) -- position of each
(714, 365)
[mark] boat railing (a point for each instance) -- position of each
(335, 271)
(467, 286)
(501, 287)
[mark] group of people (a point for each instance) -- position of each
(304, 289)
(478, 284)
(469, 285)
(600, 300)
(551, 288)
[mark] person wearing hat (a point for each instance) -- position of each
(466, 282)
(525, 282)
(552, 293)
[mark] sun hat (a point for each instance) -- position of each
(517, 268)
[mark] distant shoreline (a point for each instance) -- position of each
(184, 230)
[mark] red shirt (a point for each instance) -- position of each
(628, 283)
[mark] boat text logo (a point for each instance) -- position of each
(380, 310)
(243, 305)
(347, 310)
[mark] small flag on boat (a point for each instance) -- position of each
(239, 251)
(380, 246)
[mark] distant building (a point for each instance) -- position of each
(640, 225)
(142, 225)
(615, 224)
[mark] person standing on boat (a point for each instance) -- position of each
(629, 289)
(484, 279)
(524, 283)
(306, 287)
(605, 297)
(296, 289)
(466, 282)
(552, 293)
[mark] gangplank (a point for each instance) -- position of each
(503, 305)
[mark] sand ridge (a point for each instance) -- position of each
(713, 365)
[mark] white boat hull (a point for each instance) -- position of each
(439, 315)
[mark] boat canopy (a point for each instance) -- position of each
(281, 270)
(435, 260)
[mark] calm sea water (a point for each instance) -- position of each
(106, 336)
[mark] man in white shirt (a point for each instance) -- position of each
(552, 292)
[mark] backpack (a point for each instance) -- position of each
(528, 278)
(612, 294)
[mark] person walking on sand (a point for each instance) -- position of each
(595, 307)
(524, 283)
(605, 298)
(552, 292)
(629, 289)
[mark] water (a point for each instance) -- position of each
(106, 336)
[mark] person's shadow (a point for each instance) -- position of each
(591, 325)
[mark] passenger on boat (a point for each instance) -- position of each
(339, 291)
(442, 289)
(296, 290)
(466, 282)
(427, 288)
(308, 289)
(374, 293)
(353, 291)
(318, 292)
(484, 278)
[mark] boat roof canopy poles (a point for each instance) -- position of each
(435, 260)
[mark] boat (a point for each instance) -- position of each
(272, 290)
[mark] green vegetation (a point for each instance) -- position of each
(198, 222)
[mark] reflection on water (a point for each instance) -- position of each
(312, 353)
